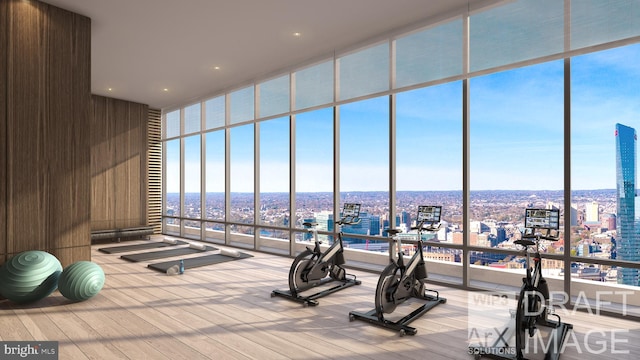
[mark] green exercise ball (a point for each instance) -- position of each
(81, 280)
(29, 276)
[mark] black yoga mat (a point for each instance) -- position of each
(164, 253)
(197, 261)
(149, 245)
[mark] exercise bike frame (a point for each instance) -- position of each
(317, 265)
(530, 311)
(403, 276)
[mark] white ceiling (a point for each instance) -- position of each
(141, 47)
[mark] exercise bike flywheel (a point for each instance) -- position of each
(312, 277)
(384, 304)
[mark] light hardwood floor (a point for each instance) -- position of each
(225, 311)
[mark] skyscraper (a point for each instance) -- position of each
(628, 239)
(325, 223)
(591, 213)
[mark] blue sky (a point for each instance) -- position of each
(516, 134)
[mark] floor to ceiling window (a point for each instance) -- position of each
(605, 107)
(314, 171)
(394, 124)
(215, 184)
(172, 208)
(275, 213)
(429, 165)
(241, 196)
(192, 195)
(214, 168)
(364, 170)
(516, 158)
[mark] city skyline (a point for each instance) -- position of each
(496, 220)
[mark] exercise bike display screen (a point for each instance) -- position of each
(351, 210)
(542, 219)
(429, 214)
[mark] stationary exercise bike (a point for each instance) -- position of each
(532, 309)
(399, 282)
(312, 267)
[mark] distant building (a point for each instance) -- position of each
(552, 206)
(325, 223)
(608, 221)
(628, 239)
(457, 237)
(483, 240)
(591, 212)
(501, 234)
(448, 257)
(573, 215)
(374, 225)
(404, 218)
(479, 227)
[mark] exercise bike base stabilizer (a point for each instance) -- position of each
(399, 282)
(313, 268)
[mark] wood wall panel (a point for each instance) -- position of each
(47, 95)
(4, 38)
(137, 164)
(68, 256)
(118, 164)
(122, 174)
(26, 165)
(69, 187)
(102, 158)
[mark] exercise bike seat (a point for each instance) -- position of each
(524, 242)
(392, 232)
(310, 224)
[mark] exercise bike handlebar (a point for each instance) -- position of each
(538, 237)
(310, 224)
(531, 240)
(349, 220)
(429, 226)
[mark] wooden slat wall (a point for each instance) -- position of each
(25, 114)
(69, 169)
(118, 163)
(154, 171)
(48, 98)
(4, 32)
(102, 156)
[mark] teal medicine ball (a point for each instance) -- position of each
(81, 280)
(29, 276)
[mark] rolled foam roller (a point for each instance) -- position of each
(170, 241)
(230, 253)
(197, 246)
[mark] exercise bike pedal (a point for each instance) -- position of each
(338, 273)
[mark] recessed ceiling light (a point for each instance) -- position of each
(165, 89)
(216, 68)
(297, 34)
(109, 89)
